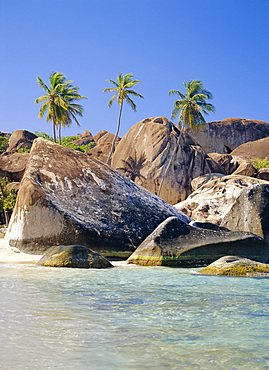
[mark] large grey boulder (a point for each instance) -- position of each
(224, 136)
(146, 149)
(250, 211)
(67, 197)
(177, 244)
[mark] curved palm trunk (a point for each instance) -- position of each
(169, 163)
(116, 135)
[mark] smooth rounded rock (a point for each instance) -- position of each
(73, 256)
(236, 266)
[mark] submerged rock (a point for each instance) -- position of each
(236, 266)
(73, 256)
(67, 197)
(177, 244)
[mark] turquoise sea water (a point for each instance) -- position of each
(131, 317)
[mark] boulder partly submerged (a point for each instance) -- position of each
(236, 266)
(177, 244)
(73, 256)
(67, 197)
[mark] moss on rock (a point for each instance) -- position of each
(236, 266)
(73, 256)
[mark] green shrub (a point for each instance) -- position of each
(9, 199)
(260, 163)
(3, 144)
(23, 150)
(44, 135)
(67, 142)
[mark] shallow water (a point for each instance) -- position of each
(131, 317)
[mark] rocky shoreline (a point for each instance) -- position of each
(71, 199)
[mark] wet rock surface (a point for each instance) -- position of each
(236, 266)
(177, 244)
(76, 256)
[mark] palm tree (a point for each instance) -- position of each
(190, 109)
(133, 166)
(70, 95)
(58, 102)
(122, 91)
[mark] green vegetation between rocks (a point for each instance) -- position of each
(3, 144)
(260, 163)
(67, 142)
(7, 197)
(23, 150)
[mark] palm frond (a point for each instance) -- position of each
(111, 100)
(131, 103)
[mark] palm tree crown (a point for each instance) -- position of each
(190, 109)
(122, 88)
(192, 105)
(59, 102)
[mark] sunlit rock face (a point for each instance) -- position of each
(13, 166)
(66, 197)
(250, 211)
(214, 199)
(226, 135)
(253, 149)
(148, 147)
(20, 139)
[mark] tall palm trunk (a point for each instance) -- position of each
(59, 133)
(170, 160)
(116, 135)
(54, 129)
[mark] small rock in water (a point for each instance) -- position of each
(73, 256)
(236, 266)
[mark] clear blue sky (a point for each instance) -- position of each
(224, 43)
